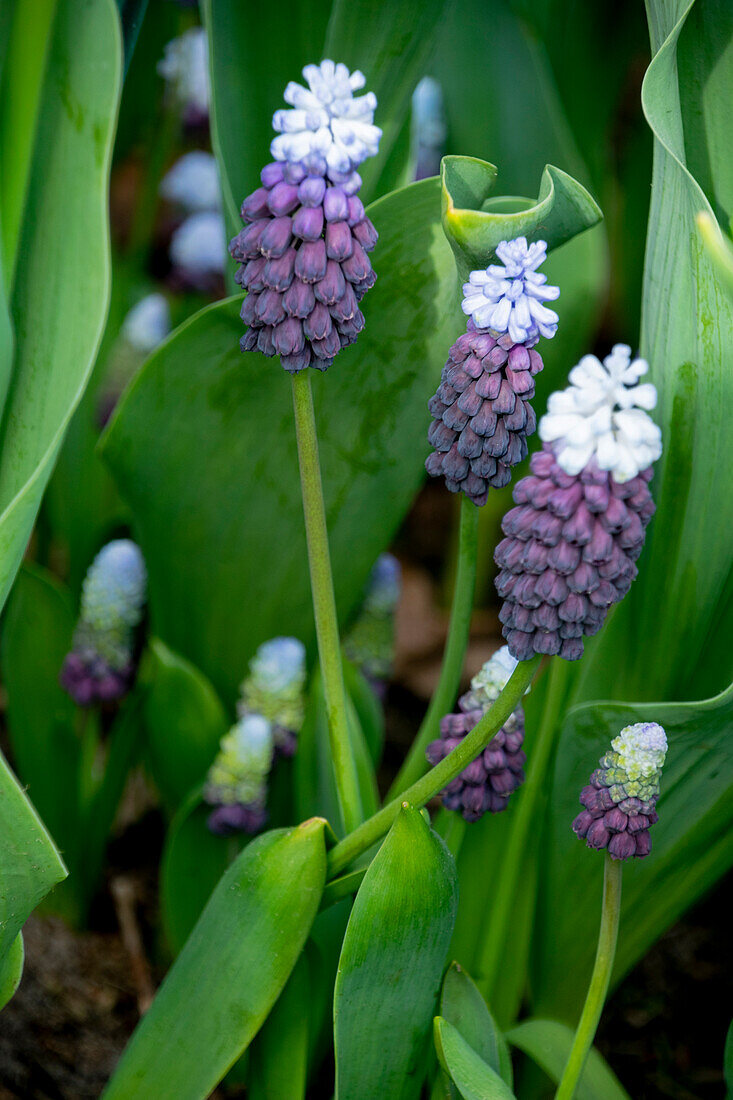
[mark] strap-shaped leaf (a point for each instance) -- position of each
(548, 1043)
(59, 301)
(279, 1055)
(462, 1005)
(562, 209)
(474, 1078)
(11, 969)
(231, 971)
(30, 865)
(391, 964)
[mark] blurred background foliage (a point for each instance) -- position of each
(198, 460)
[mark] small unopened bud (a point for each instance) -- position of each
(369, 643)
(275, 687)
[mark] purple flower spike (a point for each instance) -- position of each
(620, 802)
(309, 225)
(488, 781)
(573, 538)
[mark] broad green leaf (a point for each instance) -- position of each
(233, 968)
(718, 248)
(669, 638)
(391, 963)
(279, 1055)
(252, 57)
(474, 1078)
(728, 1061)
(462, 1005)
(562, 209)
(184, 722)
(36, 637)
(192, 863)
(61, 289)
(692, 843)
(222, 519)
(30, 865)
(392, 44)
(11, 970)
(548, 1043)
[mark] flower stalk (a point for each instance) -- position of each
(368, 833)
(455, 650)
(324, 603)
(599, 982)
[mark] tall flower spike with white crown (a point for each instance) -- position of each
(573, 538)
(482, 413)
(303, 251)
(621, 799)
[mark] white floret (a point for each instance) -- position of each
(509, 299)
(602, 415)
(641, 748)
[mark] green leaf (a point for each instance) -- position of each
(224, 512)
(392, 44)
(234, 966)
(391, 963)
(11, 969)
(368, 710)
(692, 843)
(30, 865)
(184, 722)
(474, 1078)
(251, 61)
(61, 289)
(669, 637)
(728, 1061)
(193, 861)
(36, 637)
(548, 1043)
(473, 228)
(718, 248)
(279, 1056)
(462, 1005)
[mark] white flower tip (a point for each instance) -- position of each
(509, 298)
(641, 748)
(602, 415)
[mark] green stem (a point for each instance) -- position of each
(324, 603)
(444, 696)
(440, 776)
(20, 94)
(524, 814)
(599, 981)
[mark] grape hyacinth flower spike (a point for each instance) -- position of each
(481, 412)
(620, 800)
(101, 665)
(488, 781)
(236, 785)
(578, 526)
(274, 689)
(369, 643)
(303, 251)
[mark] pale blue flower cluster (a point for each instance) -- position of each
(147, 323)
(509, 299)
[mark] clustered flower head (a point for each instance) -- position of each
(481, 412)
(101, 665)
(303, 251)
(369, 643)
(275, 687)
(487, 782)
(270, 711)
(572, 541)
(620, 800)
